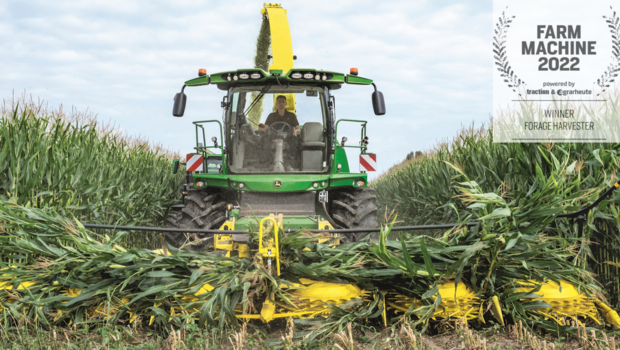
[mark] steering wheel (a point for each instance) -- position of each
(279, 128)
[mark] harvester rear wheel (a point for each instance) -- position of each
(355, 208)
(203, 210)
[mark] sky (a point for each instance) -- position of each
(125, 60)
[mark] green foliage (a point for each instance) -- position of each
(424, 191)
(44, 253)
(412, 156)
(83, 170)
(429, 191)
(263, 42)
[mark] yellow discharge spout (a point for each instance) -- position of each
(281, 45)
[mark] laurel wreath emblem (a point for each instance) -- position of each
(613, 22)
(499, 50)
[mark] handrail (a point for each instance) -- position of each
(347, 230)
(197, 123)
(364, 122)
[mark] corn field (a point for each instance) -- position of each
(83, 169)
(56, 170)
(425, 190)
(60, 274)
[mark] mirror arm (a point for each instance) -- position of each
(373, 84)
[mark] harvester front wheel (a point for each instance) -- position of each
(202, 210)
(355, 208)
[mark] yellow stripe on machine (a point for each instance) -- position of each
(281, 45)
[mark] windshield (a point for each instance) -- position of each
(277, 129)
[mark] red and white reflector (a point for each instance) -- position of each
(368, 162)
(193, 162)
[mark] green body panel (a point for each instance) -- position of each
(217, 78)
(340, 157)
(348, 180)
(288, 222)
(289, 182)
(354, 79)
(198, 81)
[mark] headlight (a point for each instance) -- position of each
(308, 75)
(296, 75)
(255, 76)
(243, 76)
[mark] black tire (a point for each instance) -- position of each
(355, 208)
(203, 210)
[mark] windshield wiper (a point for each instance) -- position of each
(255, 102)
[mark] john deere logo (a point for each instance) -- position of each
(277, 184)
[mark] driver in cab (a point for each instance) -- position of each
(281, 115)
(284, 116)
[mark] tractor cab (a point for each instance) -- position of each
(279, 123)
(275, 129)
(277, 155)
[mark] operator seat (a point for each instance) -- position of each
(312, 146)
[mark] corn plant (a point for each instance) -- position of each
(83, 170)
(426, 190)
(54, 272)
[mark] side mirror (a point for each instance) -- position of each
(378, 103)
(175, 166)
(179, 104)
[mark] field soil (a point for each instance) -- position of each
(388, 338)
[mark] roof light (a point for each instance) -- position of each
(324, 77)
(244, 76)
(228, 77)
(255, 76)
(354, 71)
(308, 75)
(296, 75)
(317, 77)
(275, 71)
(235, 77)
(202, 72)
